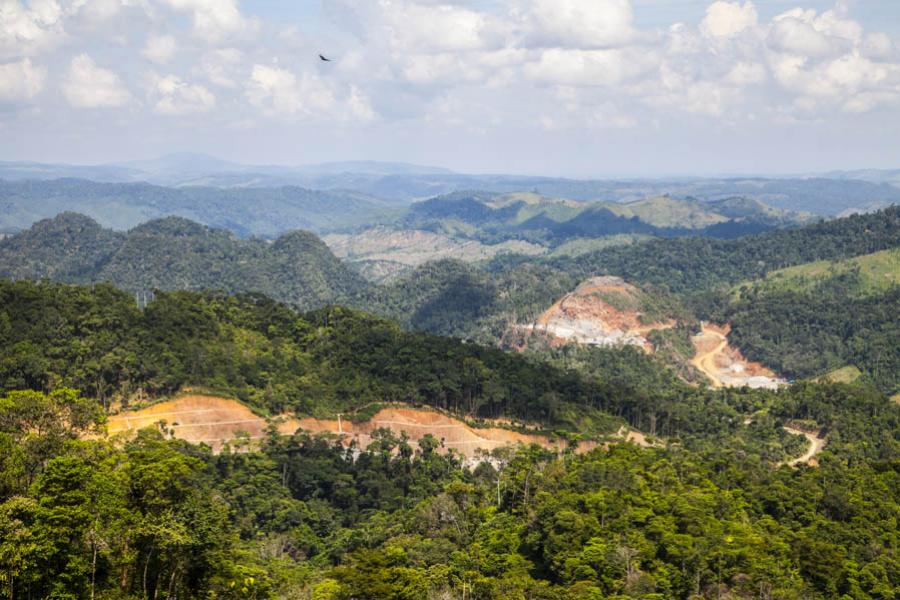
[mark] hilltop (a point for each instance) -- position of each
(175, 253)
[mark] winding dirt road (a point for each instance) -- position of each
(706, 362)
(816, 445)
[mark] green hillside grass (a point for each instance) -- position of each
(847, 374)
(664, 211)
(877, 272)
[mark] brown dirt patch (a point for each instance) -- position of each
(590, 315)
(215, 421)
(724, 365)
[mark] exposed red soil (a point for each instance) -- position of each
(584, 315)
(215, 421)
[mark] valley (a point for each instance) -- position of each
(494, 387)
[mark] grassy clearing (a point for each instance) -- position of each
(878, 272)
(847, 374)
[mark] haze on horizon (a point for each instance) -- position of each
(548, 87)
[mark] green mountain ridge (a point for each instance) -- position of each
(175, 253)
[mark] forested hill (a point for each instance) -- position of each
(708, 516)
(686, 265)
(174, 253)
(264, 212)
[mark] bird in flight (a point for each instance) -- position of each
(325, 59)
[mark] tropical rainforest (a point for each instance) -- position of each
(714, 512)
(712, 502)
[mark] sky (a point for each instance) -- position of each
(585, 88)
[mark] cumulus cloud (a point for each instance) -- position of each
(221, 67)
(88, 86)
(584, 68)
(727, 19)
(20, 82)
(278, 92)
(159, 48)
(172, 96)
(581, 24)
(26, 30)
(417, 27)
(510, 62)
(216, 20)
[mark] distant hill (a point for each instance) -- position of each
(492, 218)
(173, 254)
(264, 212)
(831, 194)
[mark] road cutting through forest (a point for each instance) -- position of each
(725, 366)
(816, 445)
(705, 362)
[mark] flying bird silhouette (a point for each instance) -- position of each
(325, 59)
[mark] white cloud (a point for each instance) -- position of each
(359, 106)
(411, 26)
(727, 19)
(591, 67)
(88, 86)
(20, 82)
(216, 20)
(581, 24)
(159, 48)
(278, 92)
(221, 66)
(746, 73)
(26, 30)
(172, 96)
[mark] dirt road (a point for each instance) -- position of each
(706, 361)
(816, 444)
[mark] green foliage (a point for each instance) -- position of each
(807, 333)
(177, 254)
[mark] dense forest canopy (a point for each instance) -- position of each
(708, 513)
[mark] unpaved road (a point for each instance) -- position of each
(706, 362)
(816, 444)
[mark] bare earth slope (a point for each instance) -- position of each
(602, 311)
(215, 421)
(725, 366)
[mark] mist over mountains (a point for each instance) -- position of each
(828, 194)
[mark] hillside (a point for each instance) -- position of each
(398, 512)
(690, 265)
(121, 206)
(393, 252)
(174, 253)
(391, 509)
(825, 316)
(553, 221)
(603, 311)
(870, 274)
(831, 194)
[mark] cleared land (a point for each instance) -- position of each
(602, 311)
(725, 366)
(878, 272)
(217, 421)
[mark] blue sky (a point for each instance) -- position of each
(571, 87)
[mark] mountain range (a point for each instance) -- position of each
(824, 194)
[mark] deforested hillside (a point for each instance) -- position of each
(695, 264)
(177, 254)
(551, 222)
(371, 500)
